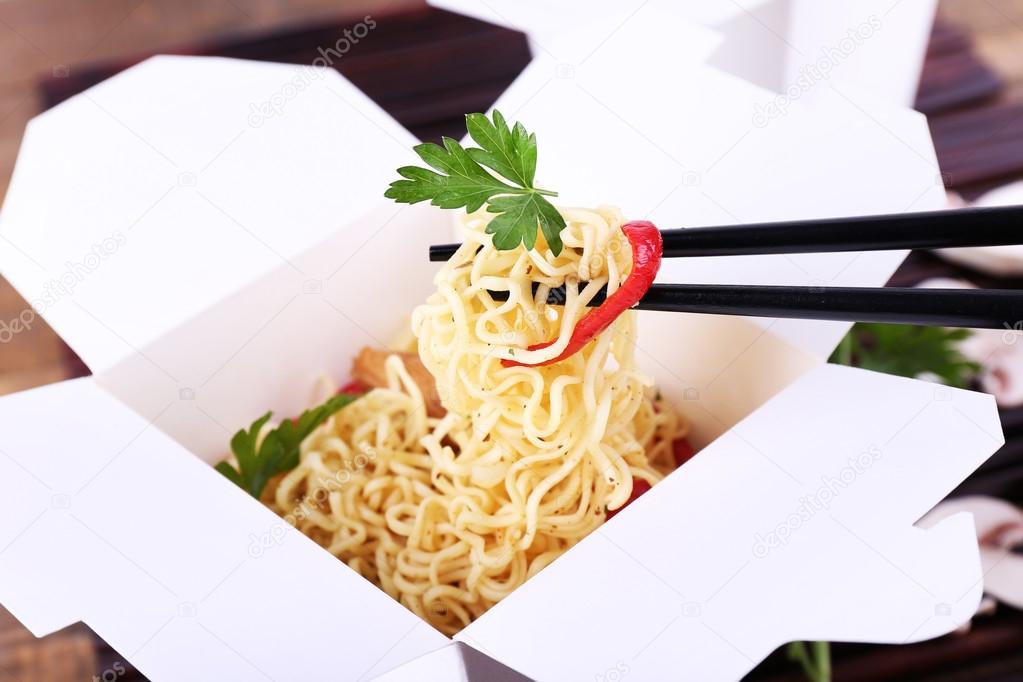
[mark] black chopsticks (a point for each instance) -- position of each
(996, 226)
(977, 308)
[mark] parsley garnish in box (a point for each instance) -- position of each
(499, 173)
(278, 451)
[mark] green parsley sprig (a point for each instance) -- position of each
(279, 450)
(814, 658)
(460, 178)
(908, 351)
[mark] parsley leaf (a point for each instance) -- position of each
(514, 211)
(909, 351)
(279, 450)
(460, 178)
(512, 153)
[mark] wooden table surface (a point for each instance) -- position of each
(51, 40)
(996, 27)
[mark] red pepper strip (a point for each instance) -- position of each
(639, 486)
(353, 387)
(682, 451)
(645, 240)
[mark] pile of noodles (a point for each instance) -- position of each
(450, 515)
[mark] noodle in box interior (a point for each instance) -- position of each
(450, 504)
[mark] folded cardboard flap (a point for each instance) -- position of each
(592, 21)
(197, 176)
(110, 522)
(796, 524)
(756, 48)
(841, 562)
(544, 20)
(457, 662)
(871, 44)
(798, 47)
(660, 157)
(786, 46)
(267, 346)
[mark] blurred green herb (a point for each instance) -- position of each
(464, 180)
(908, 351)
(814, 658)
(278, 451)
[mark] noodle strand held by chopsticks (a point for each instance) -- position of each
(450, 515)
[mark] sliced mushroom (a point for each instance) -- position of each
(999, 534)
(368, 368)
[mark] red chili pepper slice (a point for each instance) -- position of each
(682, 451)
(645, 240)
(639, 486)
(354, 387)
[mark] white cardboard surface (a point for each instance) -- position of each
(720, 564)
(266, 346)
(571, 30)
(872, 44)
(201, 353)
(442, 664)
(201, 184)
(110, 522)
(457, 661)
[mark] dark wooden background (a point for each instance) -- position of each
(428, 68)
